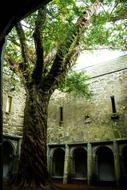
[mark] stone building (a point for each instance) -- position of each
(87, 139)
(13, 108)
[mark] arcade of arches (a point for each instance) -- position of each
(88, 163)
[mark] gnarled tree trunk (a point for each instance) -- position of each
(33, 160)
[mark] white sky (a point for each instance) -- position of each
(88, 58)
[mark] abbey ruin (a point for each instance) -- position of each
(87, 139)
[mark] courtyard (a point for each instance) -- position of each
(75, 187)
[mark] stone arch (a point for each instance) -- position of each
(104, 165)
(8, 159)
(58, 163)
(101, 146)
(79, 163)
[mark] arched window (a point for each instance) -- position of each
(105, 165)
(58, 162)
(79, 164)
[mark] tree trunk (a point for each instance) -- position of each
(33, 160)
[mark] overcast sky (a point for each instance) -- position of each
(88, 58)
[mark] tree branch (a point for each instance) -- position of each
(117, 18)
(13, 64)
(23, 66)
(38, 39)
(22, 40)
(13, 40)
(63, 63)
(18, 68)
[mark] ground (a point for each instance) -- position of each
(86, 187)
(75, 187)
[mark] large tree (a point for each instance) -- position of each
(42, 63)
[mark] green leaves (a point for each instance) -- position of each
(59, 23)
(106, 28)
(76, 83)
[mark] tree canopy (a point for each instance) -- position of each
(107, 28)
(57, 28)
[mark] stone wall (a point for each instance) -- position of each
(92, 120)
(76, 126)
(13, 106)
(83, 120)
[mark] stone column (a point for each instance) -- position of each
(49, 161)
(116, 163)
(89, 163)
(48, 157)
(66, 165)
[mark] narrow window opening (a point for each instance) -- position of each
(8, 104)
(113, 104)
(61, 114)
(115, 115)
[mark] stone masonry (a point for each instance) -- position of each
(83, 120)
(77, 126)
(92, 120)
(13, 118)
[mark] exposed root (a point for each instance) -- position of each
(49, 186)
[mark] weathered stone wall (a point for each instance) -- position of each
(90, 120)
(13, 118)
(83, 120)
(86, 125)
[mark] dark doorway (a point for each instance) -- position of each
(58, 163)
(124, 164)
(8, 158)
(79, 164)
(125, 159)
(105, 165)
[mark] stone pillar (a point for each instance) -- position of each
(66, 165)
(49, 161)
(89, 163)
(48, 157)
(116, 163)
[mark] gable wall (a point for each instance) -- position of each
(90, 120)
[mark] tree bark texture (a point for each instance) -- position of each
(33, 160)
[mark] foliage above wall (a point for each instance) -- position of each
(76, 83)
